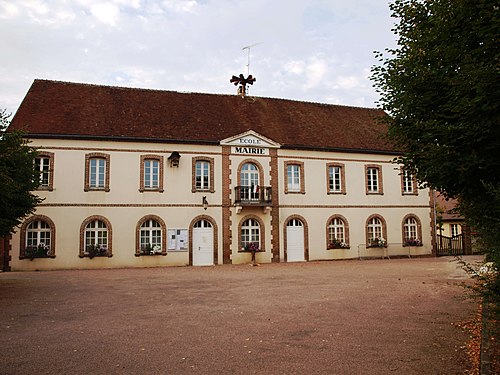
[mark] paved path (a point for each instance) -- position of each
(347, 317)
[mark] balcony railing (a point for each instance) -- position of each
(252, 195)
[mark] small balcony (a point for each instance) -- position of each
(252, 196)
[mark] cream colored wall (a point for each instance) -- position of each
(68, 205)
(316, 206)
(446, 228)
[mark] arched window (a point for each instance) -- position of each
(95, 237)
(250, 234)
(412, 231)
(151, 236)
(37, 238)
(337, 232)
(249, 181)
(376, 232)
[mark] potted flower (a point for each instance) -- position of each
(40, 251)
(336, 244)
(377, 242)
(413, 242)
(97, 250)
(252, 247)
(148, 249)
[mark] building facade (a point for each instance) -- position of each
(141, 178)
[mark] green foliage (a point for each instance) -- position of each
(17, 177)
(441, 87)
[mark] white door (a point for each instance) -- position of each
(295, 241)
(203, 244)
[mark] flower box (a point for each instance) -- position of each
(40, 251)
(377, 242)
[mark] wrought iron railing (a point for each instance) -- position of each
(252, 195)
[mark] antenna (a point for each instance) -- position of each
(248, 58)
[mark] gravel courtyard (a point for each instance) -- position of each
(395, 316)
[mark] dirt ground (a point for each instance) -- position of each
(395, 316)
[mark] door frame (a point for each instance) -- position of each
(215, 234)
(306, 236)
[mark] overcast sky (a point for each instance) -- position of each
(310, 50)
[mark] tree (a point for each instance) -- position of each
(441, 89)
(17, 178)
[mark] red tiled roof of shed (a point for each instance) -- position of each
(63, 109)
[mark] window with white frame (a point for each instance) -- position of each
(455, 229)
(97, 171)
(335, 179)
(42, 166)
(96, 238)
(293, 177)
(202, 175)
(151, 173)
(151, 176)
(151, 237)
(408, 182)
(372, 182)
(411, 229)
(250, 233)
(38, 239)
(337, 238)
(375, 233)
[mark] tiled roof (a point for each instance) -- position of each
(447, 208)
(62, 109)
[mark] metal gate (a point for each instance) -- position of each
(450, 245)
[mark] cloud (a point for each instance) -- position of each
(312, 50)
(107, 13)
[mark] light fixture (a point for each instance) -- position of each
(174, 159)
(204, 202)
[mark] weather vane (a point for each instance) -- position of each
(241, 80)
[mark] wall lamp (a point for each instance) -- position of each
(204, 202)
(174, 159)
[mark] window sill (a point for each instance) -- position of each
(96, 256)
(150, 255)
(339, 248)
(337, 193)
(38, 257)
(152, 190)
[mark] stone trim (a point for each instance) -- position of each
(413, 183)
(384, 227)
(159, 159)
(306, 236)
(163, 234)
(419, 228)
(302, 189)
(226, 205)
(211, 162)
(24, 227)
(96, 155)
(51, 156)
(82, 234)
(342, 178)
(275, 211)
(142, 151)
(216, 237)
(380, 183)
(262, 232)
(346, 229)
